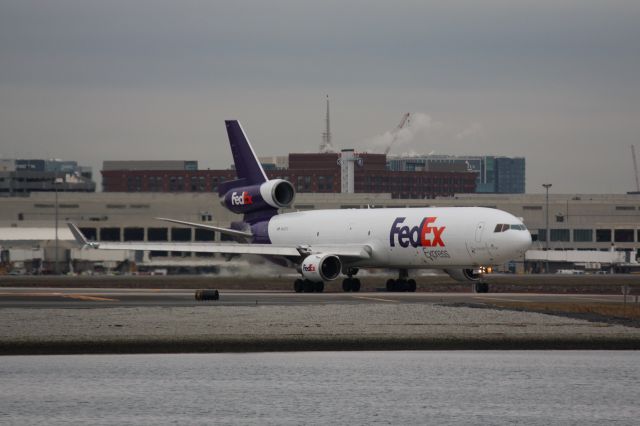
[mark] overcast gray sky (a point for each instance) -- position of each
(555, 81)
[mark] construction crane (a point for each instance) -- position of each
(635, 167)
(406, 119)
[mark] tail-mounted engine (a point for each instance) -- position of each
(465, 275)
(321, 267)
(276, 193)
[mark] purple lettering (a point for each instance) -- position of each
(394, 231)
(416, 236)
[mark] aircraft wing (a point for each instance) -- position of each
(347, 251)
(232, 232)
(354, 251)
(227, 248)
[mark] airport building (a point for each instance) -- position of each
(578, 224)
(20, 177)
(494, 174)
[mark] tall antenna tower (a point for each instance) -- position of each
(326, 145)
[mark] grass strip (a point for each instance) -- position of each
(194, 345)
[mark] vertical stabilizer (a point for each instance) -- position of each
(248, 168)
(252, 193)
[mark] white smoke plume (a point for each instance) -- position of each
(419, 125)
(251, 266)
(475, 131)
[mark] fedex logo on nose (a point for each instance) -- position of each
(424, 235)
(241, 199)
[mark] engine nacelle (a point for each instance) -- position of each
(464, 275)
(321, 267)
(276, 193)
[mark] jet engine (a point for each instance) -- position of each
(464, 275)
(277, 193)
(321, 267)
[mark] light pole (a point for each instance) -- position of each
(56, 181)
(547, 236)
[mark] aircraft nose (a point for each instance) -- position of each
(524, 242)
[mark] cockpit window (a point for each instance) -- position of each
(502, 227)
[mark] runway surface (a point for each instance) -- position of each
(63, 298)
(72, 320)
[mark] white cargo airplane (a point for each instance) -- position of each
(322, 244)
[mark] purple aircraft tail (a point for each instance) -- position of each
(248, 168)
(252, 194)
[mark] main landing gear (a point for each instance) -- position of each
(306, 286)
(350, 283)
(403, 283)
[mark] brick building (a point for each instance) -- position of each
(317, 173)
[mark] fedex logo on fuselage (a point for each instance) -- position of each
(424, 235)
(241, 199)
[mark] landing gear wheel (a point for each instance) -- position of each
(318, 287)
(399, 285)
(308, 286)
(403, 283)
(391, 285)
(350, 284)
(298, 285)
(347, 285)
(355, 285)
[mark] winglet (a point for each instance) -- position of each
(77, 234)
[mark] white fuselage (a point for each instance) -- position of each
(409, 237)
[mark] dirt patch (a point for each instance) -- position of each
(609, 313)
